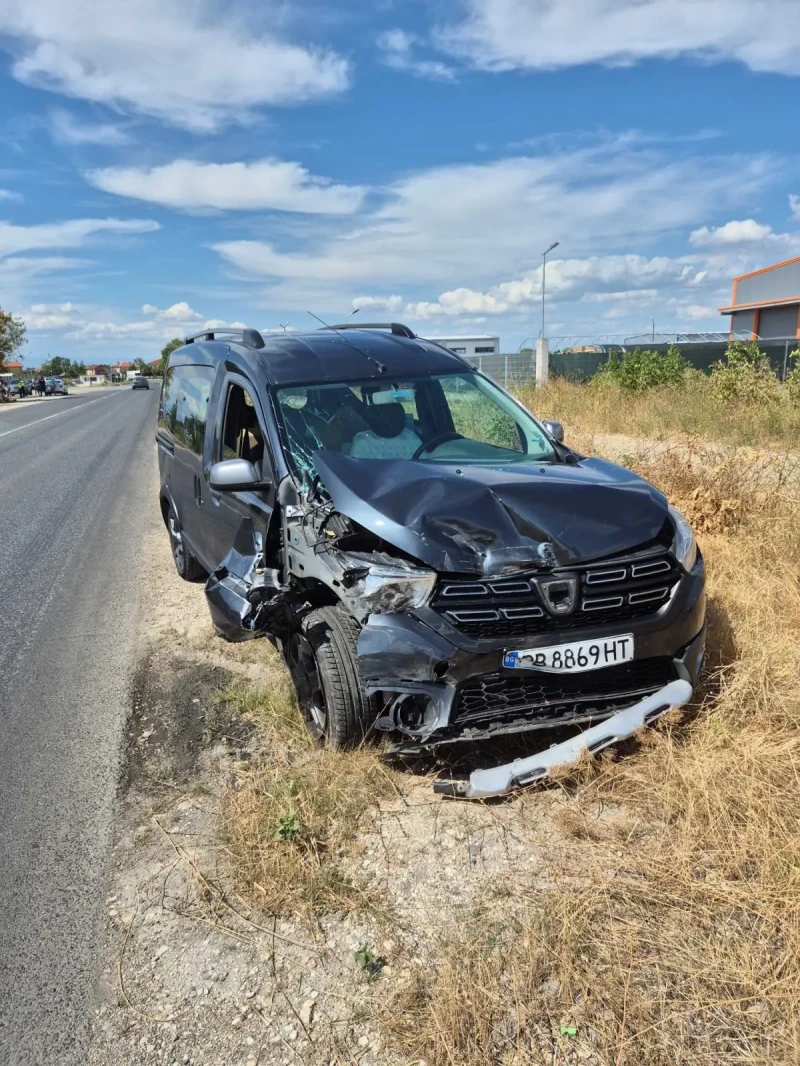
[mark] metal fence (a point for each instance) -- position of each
(507, 370)
(578, 358)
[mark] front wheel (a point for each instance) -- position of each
(322, 659)
(185, 563)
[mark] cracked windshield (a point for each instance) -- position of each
(446, 419)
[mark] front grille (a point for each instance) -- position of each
(615, 591)
(534, 695)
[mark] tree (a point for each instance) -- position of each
(166, 352)
(12, 335)
(58, 367)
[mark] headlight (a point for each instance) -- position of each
(383, 588)
(684, 546)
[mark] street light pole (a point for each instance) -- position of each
(544, 271)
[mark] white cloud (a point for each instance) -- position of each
(71, 234)
(7, 194)
(266, 184)
(398, 48)
(794, 205)
(66, 129)
(746, 231)
(44, 309)
(160, 324)
(698, 311)
(458, 228)
(187, 62)
(179, 312)
(49, 317)
(220, 323)
(381, 303)
(18, 270)
(596, 279)
(551, 34)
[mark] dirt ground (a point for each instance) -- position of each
(191, 972)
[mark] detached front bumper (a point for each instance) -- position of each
(499, 780)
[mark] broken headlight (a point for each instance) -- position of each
(384, 588)
(684, 546)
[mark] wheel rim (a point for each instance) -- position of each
(305, 675)
(178, 552)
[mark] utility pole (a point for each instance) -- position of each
(544, 271)
(542, 347)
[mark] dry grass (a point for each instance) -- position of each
(693, 411)
(292, 819)
(682, 944)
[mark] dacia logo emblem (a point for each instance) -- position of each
(559, 594)
(546, 554)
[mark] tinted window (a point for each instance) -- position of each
(186, 404)
(168, 407)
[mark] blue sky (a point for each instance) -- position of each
(169, 163)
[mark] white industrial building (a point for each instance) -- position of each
(470, 346)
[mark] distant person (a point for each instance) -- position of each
(42, 387)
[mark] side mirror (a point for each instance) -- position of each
(234, 475)
(555, 429)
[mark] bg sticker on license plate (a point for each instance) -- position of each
(573, 658)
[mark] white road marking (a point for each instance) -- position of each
(38, 422)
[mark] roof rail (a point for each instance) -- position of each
(251, 338)
(397, 328)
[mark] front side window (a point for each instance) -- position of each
(450, 418)
(242, 435)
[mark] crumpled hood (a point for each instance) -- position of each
(494, 520)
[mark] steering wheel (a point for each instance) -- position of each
(427, 446)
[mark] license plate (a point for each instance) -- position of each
(573, 658)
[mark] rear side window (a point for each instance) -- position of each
(168, 407)
(187, 391)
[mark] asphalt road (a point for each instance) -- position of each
(75, 475)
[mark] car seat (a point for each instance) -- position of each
(250, 442)
(388, 436)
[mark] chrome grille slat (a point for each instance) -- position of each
(660, 566)
(602, 577)
(474, 616)
(511, 608)
(512, 613)
(648, 596)
(510, 588)
(605, 603)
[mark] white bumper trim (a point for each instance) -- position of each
(499, 780)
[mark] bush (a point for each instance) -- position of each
(745, 375)
(793, 380)
(643, 369)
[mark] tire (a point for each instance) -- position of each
(185, 563)
(322, 657)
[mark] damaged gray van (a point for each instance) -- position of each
(431, 560)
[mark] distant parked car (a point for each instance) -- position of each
(58, 386)
(140, 382)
